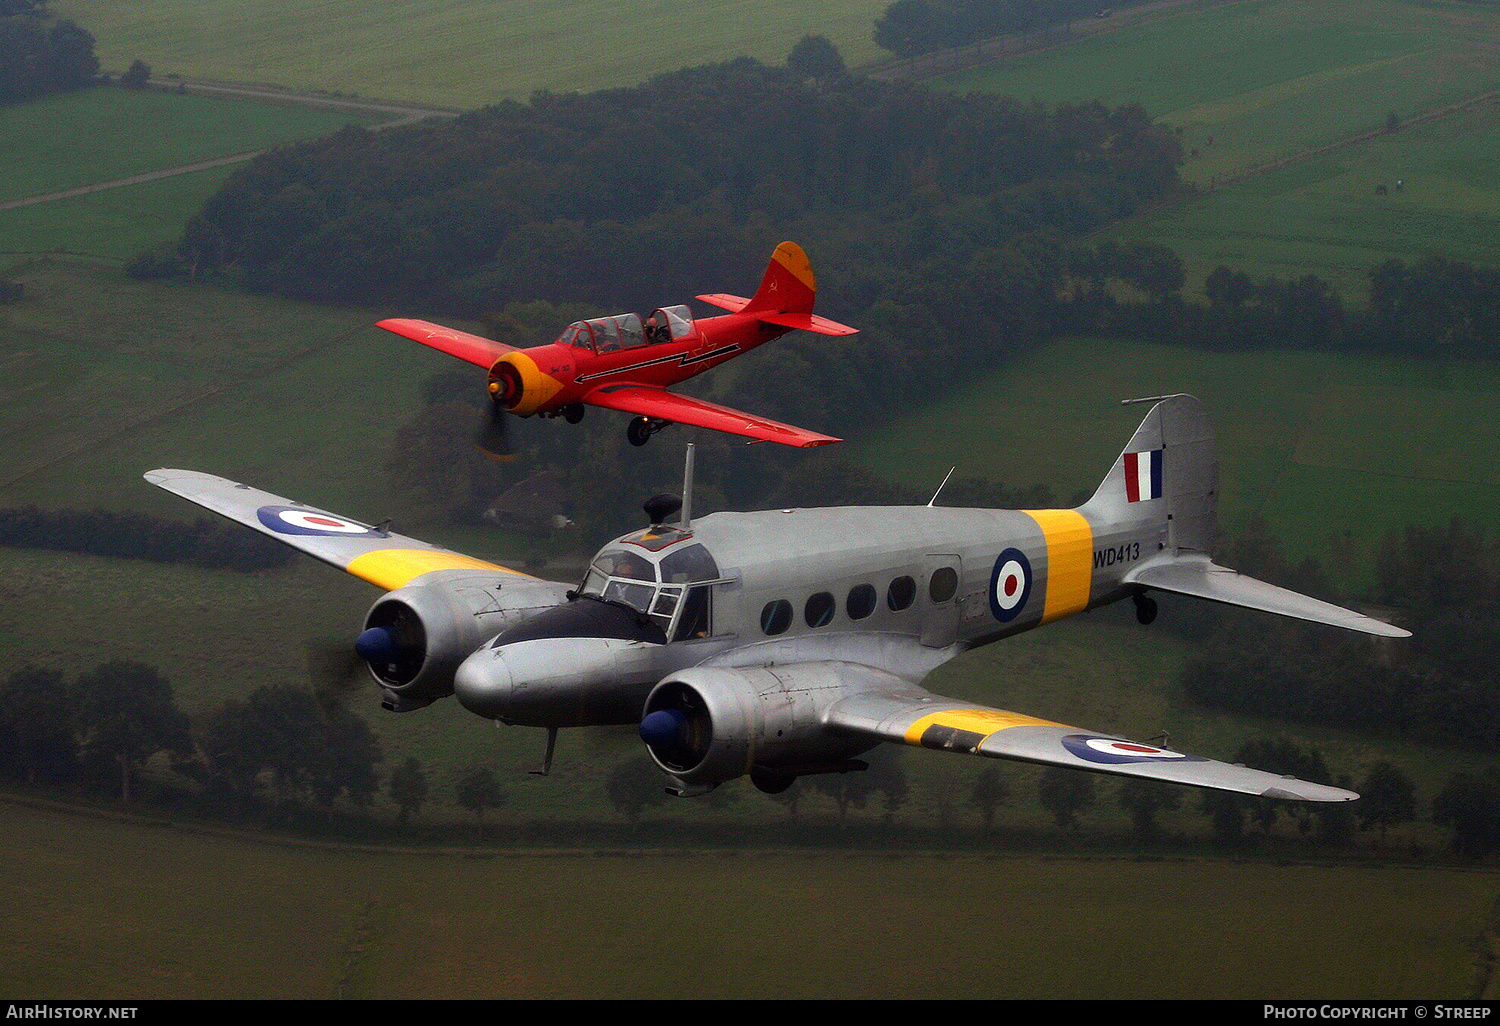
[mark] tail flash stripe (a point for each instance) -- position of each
(1070, 568)
(1143, 475)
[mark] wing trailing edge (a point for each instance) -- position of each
(646, 401)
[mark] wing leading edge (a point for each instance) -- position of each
(907, 714)
(383, 558)
(475, 349)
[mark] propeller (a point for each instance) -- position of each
(334, 670)
(493, 439)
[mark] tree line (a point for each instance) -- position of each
(40, 55)
(204, 542)
(910, 28)
(281, 749)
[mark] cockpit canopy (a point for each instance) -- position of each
(628, 331)
(658, 584)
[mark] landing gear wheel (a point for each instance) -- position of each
(573, 412)
(1145, 609)
(642, 428)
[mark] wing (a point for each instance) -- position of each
(906, 714)
(681, 409)
(373, 554)
(475, 349)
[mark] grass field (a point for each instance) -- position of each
(1261, 81)
(110, 134)
(117, 133)
(107, 910)
(460, 53)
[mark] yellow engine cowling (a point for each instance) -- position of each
(519, 385)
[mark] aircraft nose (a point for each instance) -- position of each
(483, 684)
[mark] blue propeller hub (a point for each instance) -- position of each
(663, 727)
(376, 645)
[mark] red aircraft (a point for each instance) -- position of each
(622, 363)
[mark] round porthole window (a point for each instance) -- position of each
(819, 610)
(776, 617)
(861, 601)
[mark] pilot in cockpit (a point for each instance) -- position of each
(656, 330)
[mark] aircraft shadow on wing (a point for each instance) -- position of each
(780, 643)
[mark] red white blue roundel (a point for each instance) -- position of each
(1113, 750)
(300, 520)
(1010, 584)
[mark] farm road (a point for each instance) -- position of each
(405, 115)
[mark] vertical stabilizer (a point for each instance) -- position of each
(1169, 469)
(788, 285)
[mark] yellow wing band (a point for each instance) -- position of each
(395, 568)
(1070, 567)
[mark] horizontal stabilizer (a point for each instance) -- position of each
(1198, 576)
(724, 301)
(788, 319)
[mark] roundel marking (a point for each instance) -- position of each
(1010, 585)
(1113, 750)
(297, 520)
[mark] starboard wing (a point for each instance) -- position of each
(475, 349)
(907, 714)
(660, 404)
(373, 554)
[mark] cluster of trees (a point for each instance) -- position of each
(909, 28)
(1436, 686)
(39, 56)
(106, 724)
(280, 747)
(651, 191)
(1433, 307)
(204, 542)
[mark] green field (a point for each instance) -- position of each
(113, 134)
(460, 53)
(1263, 81)
(117, 133)
(107, 910)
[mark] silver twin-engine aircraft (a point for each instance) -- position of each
(787, 642)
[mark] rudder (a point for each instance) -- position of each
(1170, 469)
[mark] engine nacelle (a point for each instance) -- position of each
(518, 385)
(415, 637)
(704, 725)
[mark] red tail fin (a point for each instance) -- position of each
(785, 297)
(789, 285)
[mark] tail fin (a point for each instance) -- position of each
(1166, 484)
(1169, 471)
(788, 286)
(786, 295)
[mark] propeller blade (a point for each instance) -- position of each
(494, 435)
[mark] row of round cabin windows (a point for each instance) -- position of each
(776, 616)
